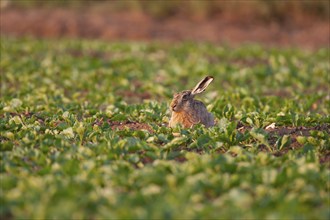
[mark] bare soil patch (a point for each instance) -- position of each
(293, 132)
(300, 130)
(138, 26)
(130, 125)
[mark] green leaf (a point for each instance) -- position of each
(283, 142)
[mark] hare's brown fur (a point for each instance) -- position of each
(187, 111)
(197, 114)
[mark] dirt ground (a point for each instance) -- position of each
(137, 26)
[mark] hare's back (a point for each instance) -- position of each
(199, 106)
(203, 115)
(200, 110)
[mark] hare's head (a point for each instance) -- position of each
(184, 98)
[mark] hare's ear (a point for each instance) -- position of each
(201, 86)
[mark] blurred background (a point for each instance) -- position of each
(285, 23)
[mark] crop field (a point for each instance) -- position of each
(84, 131)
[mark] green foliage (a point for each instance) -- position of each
(67, 150)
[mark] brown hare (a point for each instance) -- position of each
(187, 111)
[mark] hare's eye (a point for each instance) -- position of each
(185, 96)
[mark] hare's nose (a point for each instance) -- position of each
(173, 106)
